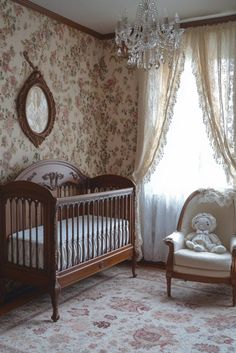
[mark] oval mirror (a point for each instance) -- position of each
(36, 109)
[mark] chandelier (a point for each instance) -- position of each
(149, 42)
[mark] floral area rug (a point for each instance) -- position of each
(112, 312)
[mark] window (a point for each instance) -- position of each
(188, 164)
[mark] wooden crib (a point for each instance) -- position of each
(59, 226)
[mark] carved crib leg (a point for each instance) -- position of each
(134, 262)
(168, 282)
(234, 294)
(54, 292)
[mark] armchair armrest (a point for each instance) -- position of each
(175, 239)
(233, 245)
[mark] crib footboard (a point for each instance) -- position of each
(27, 233)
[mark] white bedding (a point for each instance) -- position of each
(104, 231)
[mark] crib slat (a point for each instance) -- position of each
(106, 222)
(60, 235)
(23, 216)
(30, 232)
(11, 229)
(119, 221)
(17, 231)
(41, 214)
(123, 219)
(67, 237)
(88, 233)
(102, 224)
(110, 224)
(97, 235)
(93, 205)
(36, 239)
(73, 235)
(77, 236)
(83, 226)
(126, 217)
(115, 221)
(43, 231)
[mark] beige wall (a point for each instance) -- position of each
(94, 91)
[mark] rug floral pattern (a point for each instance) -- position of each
(112, 313)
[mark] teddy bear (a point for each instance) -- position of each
(203, 239)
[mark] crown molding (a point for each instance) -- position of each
(208, 21)
(68, 22)
(59, 18)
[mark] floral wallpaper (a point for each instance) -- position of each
(94, 91)
(119, 111)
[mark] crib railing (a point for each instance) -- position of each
(92, 225)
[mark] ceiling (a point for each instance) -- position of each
(101, 15)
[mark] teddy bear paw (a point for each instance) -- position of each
(190, 244)
(199, 248)
(219, 249)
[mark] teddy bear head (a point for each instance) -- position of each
(204, 222)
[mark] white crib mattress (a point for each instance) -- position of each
(96, 236)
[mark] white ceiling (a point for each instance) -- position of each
(101, 15)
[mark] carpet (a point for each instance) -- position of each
(111, 312)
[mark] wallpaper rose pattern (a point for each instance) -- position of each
(94, 91)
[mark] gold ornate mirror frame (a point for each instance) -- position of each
(35, 106)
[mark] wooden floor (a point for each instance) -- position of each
(23, 296)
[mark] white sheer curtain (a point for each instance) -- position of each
(157, 95)
(214, 60)
(188, 164)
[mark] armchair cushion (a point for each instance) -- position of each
(189, 271)
(203, 260)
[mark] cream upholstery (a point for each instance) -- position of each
(200, 273)
(203, 266)
(205, 261)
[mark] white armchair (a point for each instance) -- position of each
(187, 264)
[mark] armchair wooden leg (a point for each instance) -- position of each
(168, 282)
(234, 294)
(134, 263)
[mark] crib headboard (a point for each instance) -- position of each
(52, 174)
(64, 179)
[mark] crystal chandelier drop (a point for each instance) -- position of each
(148, 42)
